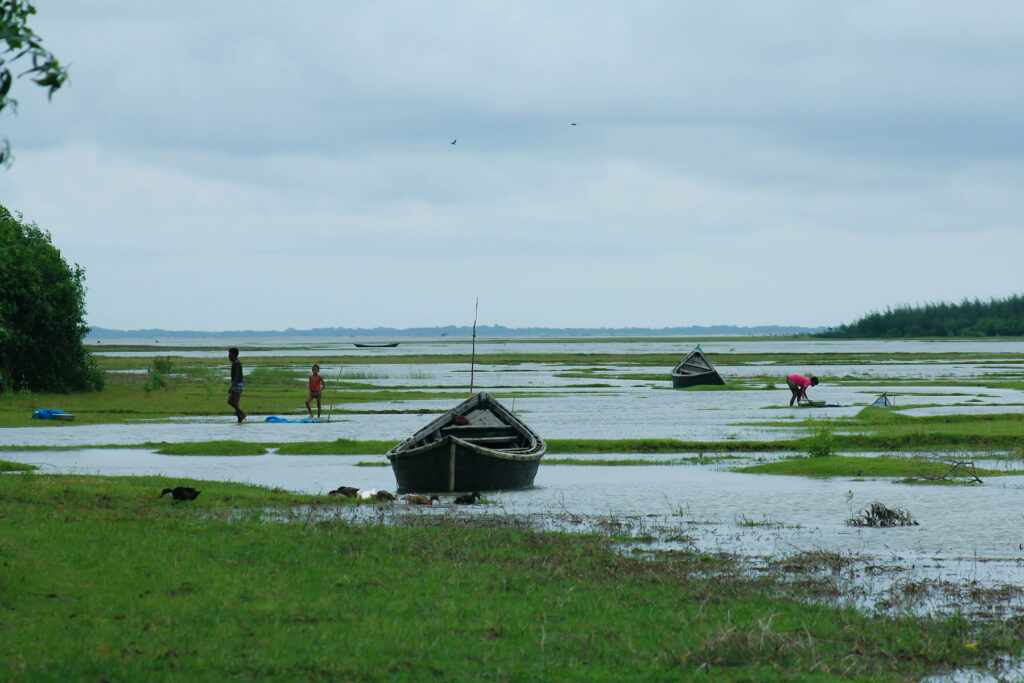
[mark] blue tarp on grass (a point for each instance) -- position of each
(46, 413)
(275, 418)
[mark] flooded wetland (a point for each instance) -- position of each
(629, 456)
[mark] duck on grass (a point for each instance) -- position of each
(180, 493)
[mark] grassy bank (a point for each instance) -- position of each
(886, 429)
(7, 466)
(106, 581)
(127, 397)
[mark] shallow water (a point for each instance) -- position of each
(626, 410)
(311, 346)
(965, 533)
(812, 511)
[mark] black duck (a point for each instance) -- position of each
(179, 493)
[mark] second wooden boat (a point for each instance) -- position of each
(695, 369)
(477, 446)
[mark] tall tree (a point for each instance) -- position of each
(19, 42)
(42, 314)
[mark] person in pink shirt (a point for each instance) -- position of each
(798, 384)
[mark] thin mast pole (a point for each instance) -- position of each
(335, 395)
(472, 358)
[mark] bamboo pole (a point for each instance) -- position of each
(472, 358)
(335, 394)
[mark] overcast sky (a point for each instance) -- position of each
(257, 165)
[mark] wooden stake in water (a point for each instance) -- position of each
(335, 394)
(472, 357)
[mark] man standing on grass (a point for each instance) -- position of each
(237, 385)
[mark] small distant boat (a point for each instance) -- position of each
(695, 369)
(477, 446)
(375, 345)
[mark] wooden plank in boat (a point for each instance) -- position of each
(479, 430)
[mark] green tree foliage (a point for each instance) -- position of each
(42, 314)
(19, 42)
(994, 318)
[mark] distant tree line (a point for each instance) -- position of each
(992, 318)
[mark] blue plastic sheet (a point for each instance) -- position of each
(46, 413)
(275, 418)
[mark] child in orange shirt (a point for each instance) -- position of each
(316, 390)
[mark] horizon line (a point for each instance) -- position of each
(480, 329)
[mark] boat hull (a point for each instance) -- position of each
(681, 381)
(695, 369)
(455, 465)
(477, 446)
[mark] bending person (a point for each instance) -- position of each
(799, 384)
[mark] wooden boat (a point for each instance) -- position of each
(375, 345)
(695, 369)
(477, 446)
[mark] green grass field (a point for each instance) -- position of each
(102, 580)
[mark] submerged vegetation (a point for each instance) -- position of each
(877, 514)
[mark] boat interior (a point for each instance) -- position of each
(484, 428)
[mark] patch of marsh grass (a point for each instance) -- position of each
(822, 441)
(860, 466)
(336, 447)
(212, 448)
(8, 466)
